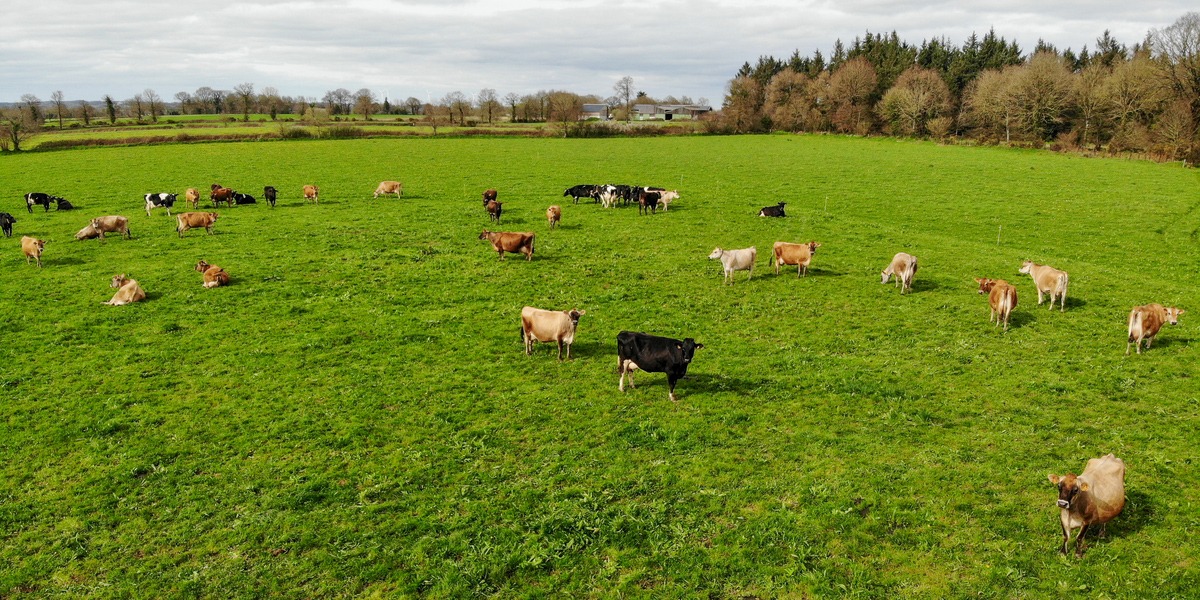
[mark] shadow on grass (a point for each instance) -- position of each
(153, 296)
(924, 285)
(1139, 511)
(710, 383)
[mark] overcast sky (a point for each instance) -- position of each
(427, 48)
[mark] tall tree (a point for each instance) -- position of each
(851, 88)
(742, 109)
(17, 125)
(110, 108)
(33, 106)
(85, 112)
(488, 103)
(511, 99)
(1089, 96)
(919, 96)
(1041, 95)
(365, 103)
(60, 106)
(136, 107)
(458, 104)
(185, 101)
(1177, 49)
(245, 92)
(154, 104)
(270, 100)
(413, 105)
(988, 103)
(624, 90)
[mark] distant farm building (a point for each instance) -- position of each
(594, 111)
(668, 112)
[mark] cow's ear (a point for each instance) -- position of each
(1181, 311)
(584, 312)
(699, 346)
(1053, 478)
(679, 345)
(1083, 486)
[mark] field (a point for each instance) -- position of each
(354, 416)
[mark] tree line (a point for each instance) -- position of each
(1140, 98)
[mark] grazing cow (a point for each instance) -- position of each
(33, 198)
(665, 198)
(221, 194)
(654, 354)
(192, 196)
(269, 193)
(514, 242)
(1093, 498)
(311, 192)
(112, 224)
(195, 220)
(608, 198)
(1145, 321)
(784, 253)
(128, 291)
(559, 326)
(1048, 280)
(240, 198)
(494, 209)
(579, 191)
(490, 195)
(648, 202)
(1002, 298)
(389, 187)
(554, 215)
(773, 211)
(214, 276)
(904, 267)
(63, 204)
(162, 200)
(736, 260)
(6, 223)
(32, 248)
(88, 232)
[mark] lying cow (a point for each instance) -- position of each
(1145, 321)
(63, 204)
(389, 187)
(192, 196)
(195, 220)
(904, 267)
(161, 200)
(269, 193)
(1048, 280)
(514, 242)
(6, 223)
(558, 326)
(1093, 498)
(88, 232)
(128, 291)
(654, 354)
(214, 276)
(240, 198)
(554, 215)
(32, 247)
(773, 211)
(311, 192)
(112, 224)
(736, 260)
(33, 198)
(785, 253)
(1002, 298)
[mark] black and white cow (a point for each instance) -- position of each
(772, 211)
(580, 191)
(6, 223)
(63, 204)
(240, 198)
(654, 354)
(39, 198)
(269, 194)
(161, 200)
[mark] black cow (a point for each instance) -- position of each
(6, 223)
(654, 354)
(241, 198)
(63, 204)
(580, 191)
(160, 200)
(39, 198)
(269, 193)
(772, 211)
(648, 202)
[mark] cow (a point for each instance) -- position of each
(1002, 298)
(1145, 321)
(494, 209)
(736, 260)
(773, 211)
(1048, 280)
(195, 220)
(389, 187)
(554, 215)
(63, 204)
(490, 195)
(192, 196)
(904, 267)
(6, 223)
(240, 198)
(33, 198)
(128, 291)
(310, 193)
(608, 198)
(221, 194)
(559, 326)
(112, 224)
(269, 193)
(654, 354)
(214, 276)
(1093, 498)
(514, 242)
(665, 198)
(648, 202)
(161, 200)
(88, 232)
(32, 248)
(579, 191)
(785, 253)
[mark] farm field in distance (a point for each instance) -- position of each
(354, 415)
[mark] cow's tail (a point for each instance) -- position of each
(1135, 325)
(1063, 281)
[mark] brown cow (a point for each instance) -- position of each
(514, 242)
(1002, 298)
(784, 253)
(1145, 321)
(112, 224)
(311, 192)
(1048, 280)
(221, 194)
(195, 220)
(494, 209)
(490, 195)
(128, 291)
(389, 187)
(554, 215)
(904, 267)
(1093, 498)
(192, 197)
(32, 248)
(559, 326)
(214, 276)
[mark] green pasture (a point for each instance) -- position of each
(354, 415)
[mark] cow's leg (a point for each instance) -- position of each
(568, 352)
(560, 345)
(1079, 544)
(671, 379)
(1066, 538)
(1039, 290)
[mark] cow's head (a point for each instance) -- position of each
(118, 281)
(96, 223)
(485, 235)
(688, 348)
(171, 198)
(214, 216)
(716, 253)
(985, 284)
(574, 315)
(1173, 315)
(781, 205)
(812, 247)
(202, 266)
(1026, 267)
(216, 186)
(1068, 487)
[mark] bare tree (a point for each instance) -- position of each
(17, 125)
(457, 102)
(413, 105)
(1177, 49)
(136, 107)
(742, 110)
(86, 111)
(33, 105)
(213, 98)
(60, 106)
(1041, 94)
(624, 91)
(850, 89)
(988, 103)
(564, 108)
(512, 99)
(1088, 94)
(185, 102)
(245, 92)
(918, 96)
(489, 103)
(365, 103)
(270, 100)
(435, 115)
(338, 101)
(153, 104)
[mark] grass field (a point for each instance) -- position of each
(354, 416)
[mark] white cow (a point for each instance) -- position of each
(1048, 280)
(904, 267)
(736, 260)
